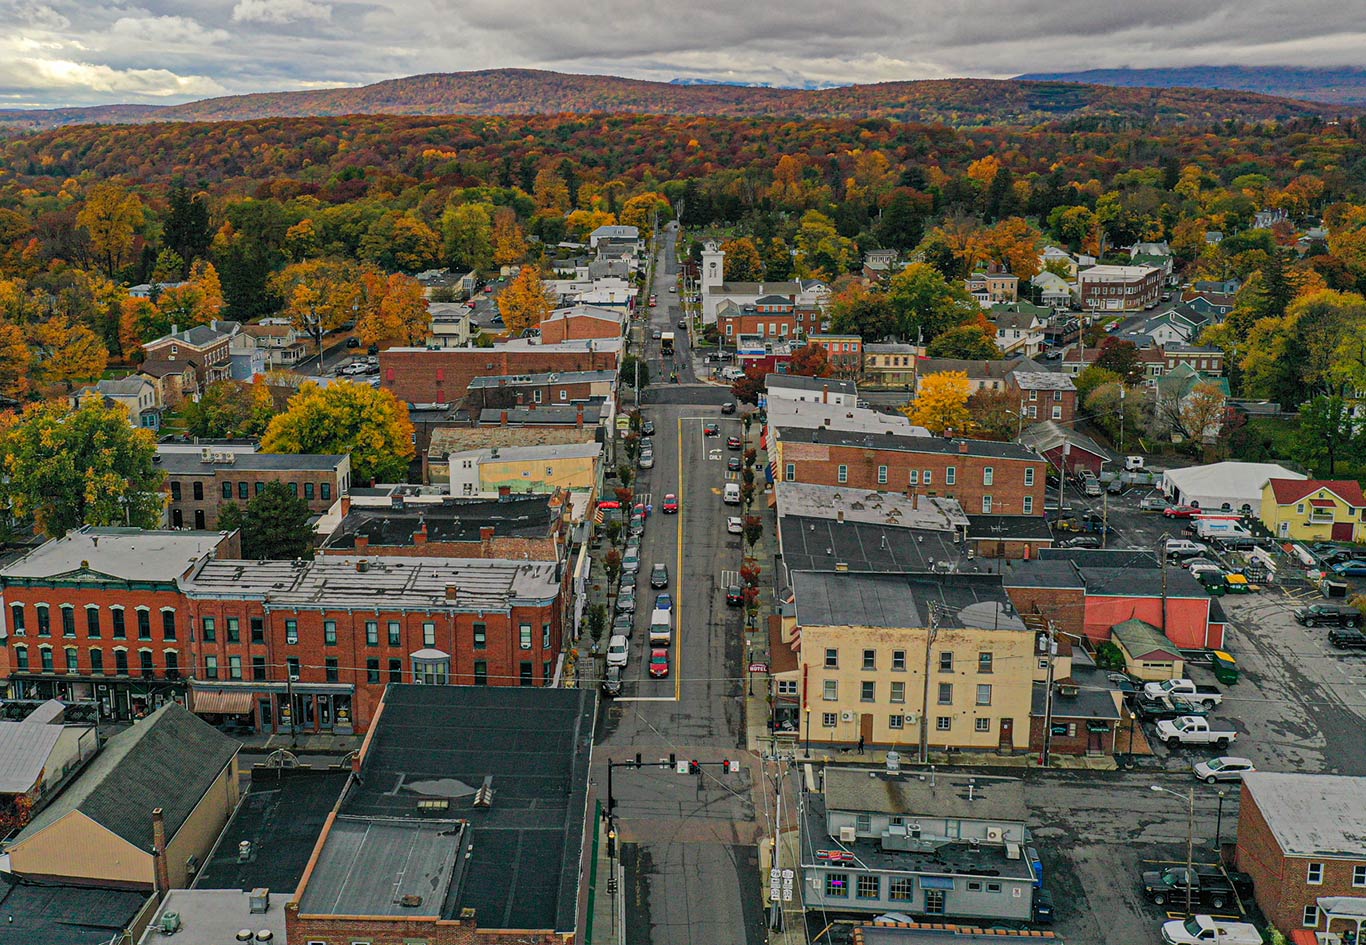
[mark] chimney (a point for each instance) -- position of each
(503, 418)
(345, 505)
(362, 542)
(915, 501)
(963, 447)
(505, 493)
(163, 872)
(175, 329)
(578, 420)
(420, 536)
(452, 593)
(825, 393)
(839, 515)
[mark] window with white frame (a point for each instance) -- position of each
(898, 692)
(982, 725)
(830, 691)
(987, 475)
(896, 721)
(882, 475)
(787, 687)
(1029, 475)
(951, 476)
(1029, 505)
(986, 505)
(1359, 876)
(943, 724)
(1314, 874)
(842, 474)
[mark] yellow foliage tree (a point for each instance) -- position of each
(581, 223)
(525, 302)
(550, 190)
(14, 361)
(984, 169)
(1016, 245)
(641, 212)
(65, 352)
(401, 316)
(198, 301)
(509, 245)
(367, 422)
(941, 403)
(112, 217)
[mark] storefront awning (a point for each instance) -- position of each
(236, 702)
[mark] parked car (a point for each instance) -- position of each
(1223, 768)
(1353, 566)
(659, 576)
(1117, 487)
(1208, 696)
(735, 595)
(1163, 708)
(611, 681)
(628, 582)
(617, 650)
(1193, 730)
(1207, 930)
(1328, 615)
(1091, 487)
(626, 603)
(735, 524)
(733, 463)
(630, 563)
(1043, 907)
(659, 663)
(647, 459)
(1180, 548)
(656, 335)
(1080, 541)
(1347, 638)
(711, 429)
(728, 407)
(1153, 503)
(1181, 511)
(683, 324)
(1207, 886)
(670, 504)
(647, 428)
(624, 624)
(353, 342)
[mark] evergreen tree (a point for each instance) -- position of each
(186, 231)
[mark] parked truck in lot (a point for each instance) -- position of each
(1165, 707)
(1207, 930)
(1207, 696)
(1193, 730)
(1210, 886)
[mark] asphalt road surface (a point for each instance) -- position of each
(688, 840)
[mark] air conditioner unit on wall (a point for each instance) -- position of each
(848, 835)
(847, 716)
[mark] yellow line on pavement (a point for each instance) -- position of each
(678, 579)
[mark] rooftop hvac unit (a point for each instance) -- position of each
(170, 923)
(848, 835)
(995, 834)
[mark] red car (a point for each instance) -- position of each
(733, 443)
(659, 663)
(670, 504)
(641, 510)
(735, 595)
(1181, 511)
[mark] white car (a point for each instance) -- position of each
(735, 524)
(617, 649)
(1223, 768)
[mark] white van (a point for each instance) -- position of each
(617, 648)
(661, 626)
(732, 494)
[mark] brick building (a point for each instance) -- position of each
(1120, 288)
(518, 390)
(985, 476)
(99, 615)
(769, 316)
(1302, 837)
(580, 322)
(427, 376)
(204, 347)
(200, 483)
(844, 352)
(1045, 395)
(345, 627)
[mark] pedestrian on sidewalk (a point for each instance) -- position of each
(860, 744)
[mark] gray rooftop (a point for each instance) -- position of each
(820, 543)
(183, 462)
(877, 791)
(398, 582)
(515, 454)
(994, 449)
(853, 599)
(24, 750)
(46, 913)
(200, 336)
(549, 414)
(1091, 695)
(1048, 434)
(1008, 528)
(215, 916)
(539, 380)
(806, 414)
(1312, 814)
(1043, 380)
(439, 744)
(130, 554)
(847, 504)
(802, 382)
(167, 760)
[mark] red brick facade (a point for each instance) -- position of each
(982, 484)
(1065, 606)
(1280, 882)
(423, 376)
(397, 930)
(1057, 405)
(578, 328)
(194, 499)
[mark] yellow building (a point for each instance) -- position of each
(168, 783)
(573, 467)
(1314, 509)
(867, 642)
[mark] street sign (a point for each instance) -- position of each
(774, 874)
(758, 667)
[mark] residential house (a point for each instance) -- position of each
(144, 813)
(1064, 447)
(1186, 398)
(844, 352)
(993, 286)
(1045, 395)
(1119, 288)
(582, 322)
(1019, 327)
(42, 752)
(1157, 255)
(1215, 299)
(945, 846)
(880, 265)
(595, 416)
(136, 394)
(280, 344)
(865, 643)
(1078, 358)
(175, 381)
(1175, 323)
(1063, 329)
(199, 484)
(982, 375)
(1013, 537)
(502, 861)
(452, 325)
(203, 346)
(614, 232)
(1314, 509)
(150, 290)
(1061, 257)
(1085, 715)
(460, 285)
(525, 469)
(1053, 290)
(1205, 359)
(1302, 837)
(889, 364)
(1266, 219)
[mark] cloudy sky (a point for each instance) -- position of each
(84, 52)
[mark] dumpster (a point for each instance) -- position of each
(1225, 667)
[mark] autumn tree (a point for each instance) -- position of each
(581, 223)
(550, 191)
(965, 341)
(140, 320)
(111, 217)
(198, 301)
(747, 389)
(401, 317)
(320, 294)
(525, 302)
(742, 260)
(1120, 356)
(400, 241)
(862, 311)
(65, 352)
(925, 304)
(509, 245)
(367, 422)
(821, 252)
(811, 360)
(66, 468)
(1092, 377)
(1015, 245)
(467, 236)
(15, 358)
(941, 403)
(229, 409)
(644, 210)
(635, 372)
(995, 414)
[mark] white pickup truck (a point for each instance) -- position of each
(1207, 930)
(1207, 696)
(1193, 730)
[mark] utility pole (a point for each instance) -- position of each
(1121, 416)
(925, 702)
(1051, 645)
(775, 908)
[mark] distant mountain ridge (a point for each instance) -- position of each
(1342, 86)
(962, 102)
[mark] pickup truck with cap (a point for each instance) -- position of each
(1211, 887)
(1207, 696)
(1193, 730)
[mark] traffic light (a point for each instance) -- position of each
(731, 767)
(673, 760)
(637, 759)
(694, 767)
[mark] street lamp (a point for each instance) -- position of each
(1190, 836)
(807, 755)
(1219, 827)
(293, 716)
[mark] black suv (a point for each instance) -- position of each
(1347, 639)
(1328, 615)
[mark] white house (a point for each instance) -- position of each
(715, 289)
(1054, 290)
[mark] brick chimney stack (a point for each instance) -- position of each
(362, 542)
(486, 540)
(420, 536)
(162, 868)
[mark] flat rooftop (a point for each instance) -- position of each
(806, 414)
(847, 504)
(453, 520)
(281, 815)
(342, 581)
(821, 543)
(947, 859)
(904, 443)
(957, 796)
(51, 914)
(215, 916)
(848, 598)
(131, 554)
(1312, 814)
(431, 749)
(183, 463)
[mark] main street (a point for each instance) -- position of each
(688, 840)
